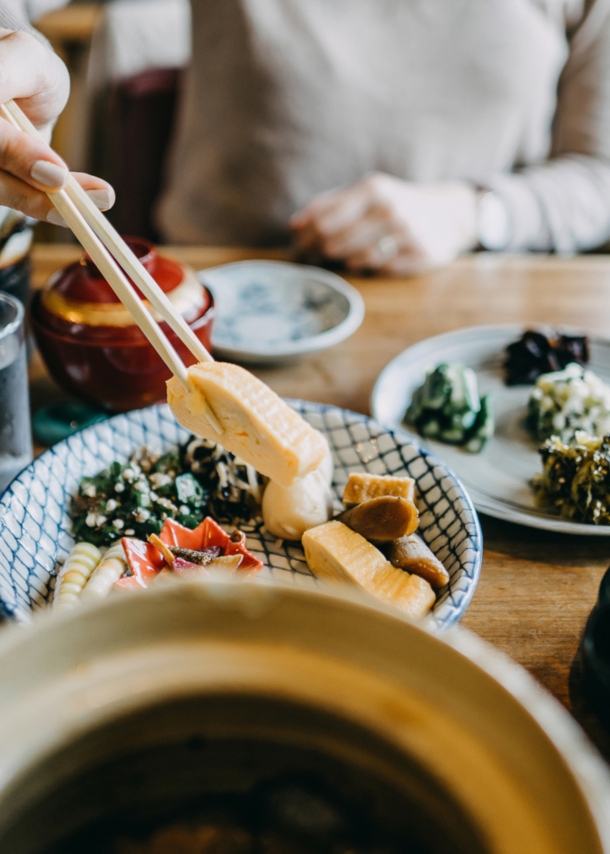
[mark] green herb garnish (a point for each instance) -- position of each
(134, 499)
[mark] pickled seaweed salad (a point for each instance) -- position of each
(134, 498)
(448, 407)
(575, 478)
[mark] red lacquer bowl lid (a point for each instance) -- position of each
(78, 302)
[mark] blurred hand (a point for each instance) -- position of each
(38, 81)
(389, 225)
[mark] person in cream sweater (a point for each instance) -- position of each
(385, 134)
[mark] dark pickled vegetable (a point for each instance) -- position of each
(382, 519)
(233, 488)
(543, 352)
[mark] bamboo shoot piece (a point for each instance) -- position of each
(74, 574)
(336, 553)
(362, 486)
(383, 519)
(413, 555)
(225, 563)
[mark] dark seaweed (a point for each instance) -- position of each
(537, 353)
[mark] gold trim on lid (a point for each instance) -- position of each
(187, 298)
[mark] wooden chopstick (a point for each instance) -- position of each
(132, 266)
(79, 212)
(120, 251)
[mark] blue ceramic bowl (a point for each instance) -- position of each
(35, 528)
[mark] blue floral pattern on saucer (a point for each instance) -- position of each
(268, 311)
(35, 531)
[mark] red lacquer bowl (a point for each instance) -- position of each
(90, 343)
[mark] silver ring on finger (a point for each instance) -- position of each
(387, 247)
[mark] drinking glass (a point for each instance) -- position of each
(15, 429)
(15, 244)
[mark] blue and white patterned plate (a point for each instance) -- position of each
(271, 311)
(35, 525)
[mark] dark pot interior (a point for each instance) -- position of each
(287, 779)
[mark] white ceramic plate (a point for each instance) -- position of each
(498, 478)
(271, 311)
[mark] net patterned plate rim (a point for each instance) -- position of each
(35, 525)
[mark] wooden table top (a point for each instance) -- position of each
(537, 588)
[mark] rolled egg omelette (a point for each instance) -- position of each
(257, 425)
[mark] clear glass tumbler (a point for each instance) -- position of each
(15, 428)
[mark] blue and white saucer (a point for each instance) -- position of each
(272, 311)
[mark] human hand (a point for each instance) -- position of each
(38, 81)
(389, 225)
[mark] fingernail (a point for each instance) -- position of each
(55, 218)
(102, 199)
(49, 174)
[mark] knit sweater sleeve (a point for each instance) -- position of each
(563, 204)
(18, 14)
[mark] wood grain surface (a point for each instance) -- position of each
(537, 588)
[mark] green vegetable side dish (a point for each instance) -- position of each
(447, 407)
(134, 499)
(565, 401)
(575, 480)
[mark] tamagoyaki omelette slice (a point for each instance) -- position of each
(335, 552)
(257, 425)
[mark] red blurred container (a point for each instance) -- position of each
(90, 343)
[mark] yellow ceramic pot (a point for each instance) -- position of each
(166, 696)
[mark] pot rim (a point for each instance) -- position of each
(519, 697)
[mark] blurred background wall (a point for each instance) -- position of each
(126, 59)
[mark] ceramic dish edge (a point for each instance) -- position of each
(309, 344)
(485, 504)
